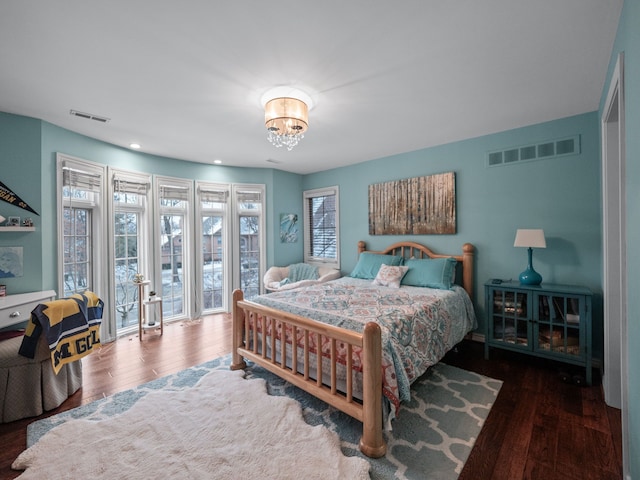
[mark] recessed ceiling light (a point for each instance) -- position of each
(135, 146)
(217, 162)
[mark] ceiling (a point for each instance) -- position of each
(184, 79)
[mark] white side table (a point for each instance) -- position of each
(143, 305)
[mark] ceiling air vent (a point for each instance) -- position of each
(541, 151)
(89, 116)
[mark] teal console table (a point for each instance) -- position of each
(551, 321)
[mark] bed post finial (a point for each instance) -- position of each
(372, 443)
(362, 246)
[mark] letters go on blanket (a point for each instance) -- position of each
(71, 327)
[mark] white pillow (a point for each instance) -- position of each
(389, 276)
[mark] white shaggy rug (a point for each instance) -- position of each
(225, 427)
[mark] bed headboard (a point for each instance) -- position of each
(415, 250)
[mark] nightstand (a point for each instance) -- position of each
(548, 320)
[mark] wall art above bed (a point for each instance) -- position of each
(413, 206)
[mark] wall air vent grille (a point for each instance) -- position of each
(89, 116)
(541, 151)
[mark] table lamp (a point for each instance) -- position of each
(530, 238)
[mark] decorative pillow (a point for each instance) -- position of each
(369, 264)
(389, 276)
(430, 272)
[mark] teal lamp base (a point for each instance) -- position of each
(530, 276)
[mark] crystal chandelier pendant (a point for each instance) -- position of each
(286, 119)
(286, 140)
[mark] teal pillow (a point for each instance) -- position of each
(369, 264)
(430, 272)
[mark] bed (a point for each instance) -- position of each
(373, 340)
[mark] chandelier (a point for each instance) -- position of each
(286, 119)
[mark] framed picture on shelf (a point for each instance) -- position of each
(13, 221)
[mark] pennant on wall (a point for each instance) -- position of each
(10, 197)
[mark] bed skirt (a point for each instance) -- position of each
(29, 387)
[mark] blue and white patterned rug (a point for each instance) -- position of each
(431, 438)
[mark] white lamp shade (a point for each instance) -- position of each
(530, 237)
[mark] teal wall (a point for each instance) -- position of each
(628, 41)
(19, 171)
(28, 150)
(288, 199)
(560, 195)
(281, 188)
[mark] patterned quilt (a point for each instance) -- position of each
(419, 325)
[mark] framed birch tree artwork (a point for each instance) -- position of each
(414, 206)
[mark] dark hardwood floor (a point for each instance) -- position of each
(539, 427)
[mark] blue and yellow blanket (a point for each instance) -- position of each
(71, 327)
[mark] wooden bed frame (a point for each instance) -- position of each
(369, 410)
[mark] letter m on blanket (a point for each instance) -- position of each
(71, 328)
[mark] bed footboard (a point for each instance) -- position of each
(263, 335)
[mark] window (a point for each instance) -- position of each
(213, 259)
(113, 224)
(80, 211)
(130, 243)
(78, 264)
(174, 206)
(249, 238)
(321, 232)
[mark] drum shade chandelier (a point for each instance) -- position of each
(286, 120)
(286, 116)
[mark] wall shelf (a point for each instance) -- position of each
(5, 228)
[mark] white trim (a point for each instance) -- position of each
(145, 236)
(236, 188)
(187, 239)
(100, 277)
(319, 192)
(226, 249)
(616, 362)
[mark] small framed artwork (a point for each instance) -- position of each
(13, 221)
(288, 227)
(11, 262)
